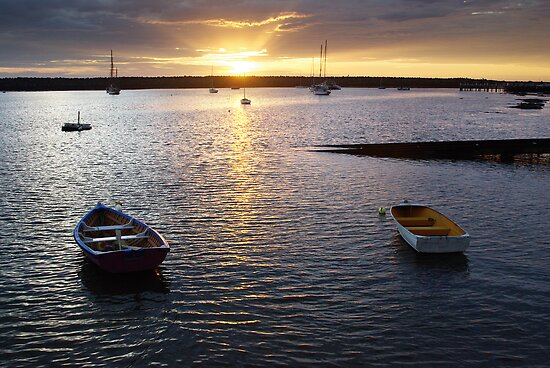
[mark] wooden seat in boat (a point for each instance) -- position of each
(416, 221)
(112, 238)
(110, 227)
(429, 230)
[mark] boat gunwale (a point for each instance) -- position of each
(89, 250)
(404, 228)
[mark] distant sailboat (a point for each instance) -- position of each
(312, 86)
(212, 89)
(76, 127)
(244, 100)
(331, 85)
(322, 89)
(113, 89)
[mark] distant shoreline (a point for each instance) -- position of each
(129, 83)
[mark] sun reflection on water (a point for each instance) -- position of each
(241, 173)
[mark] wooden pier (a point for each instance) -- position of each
(508, 87)
(484, 86)
(466, 150)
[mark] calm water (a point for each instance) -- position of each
(279, 257)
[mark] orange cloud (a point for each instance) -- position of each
(230, 23)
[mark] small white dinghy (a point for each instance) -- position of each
(76, 127)
(427, 230)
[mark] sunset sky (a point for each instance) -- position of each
(493, 39)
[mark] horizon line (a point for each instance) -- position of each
(276, 76)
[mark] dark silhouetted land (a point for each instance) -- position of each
(69, 84)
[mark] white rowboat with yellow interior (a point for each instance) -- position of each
(427, 230)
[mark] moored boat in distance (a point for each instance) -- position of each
(76, 127)
(212, 89)
(117, 242)
(427, 230)
(331, 85)
(320, 89)
(113, 88)
(244, 100)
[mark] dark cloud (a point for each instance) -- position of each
(39, 32)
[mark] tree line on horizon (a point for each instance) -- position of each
(100, 83)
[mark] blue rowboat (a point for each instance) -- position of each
(117, 242)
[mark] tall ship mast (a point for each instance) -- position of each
(113, 88)
(330, 83)
(112, 65)
(325, 67)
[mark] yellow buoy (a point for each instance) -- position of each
(382, 211)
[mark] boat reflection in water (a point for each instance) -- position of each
(100, 282)
(454, 262)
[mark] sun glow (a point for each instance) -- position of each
(241, 67)
(232, 60)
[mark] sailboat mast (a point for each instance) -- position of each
(112, 65)
(212, 76)
(313, 70)
(321, 63)
(325, 69)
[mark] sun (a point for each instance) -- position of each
(240, 67)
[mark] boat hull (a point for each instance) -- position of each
(320, 90)
(434, 244)
(128, 259)
(456, 242)
(113, 90)
(75, 127)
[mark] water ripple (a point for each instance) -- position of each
(279, 257)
